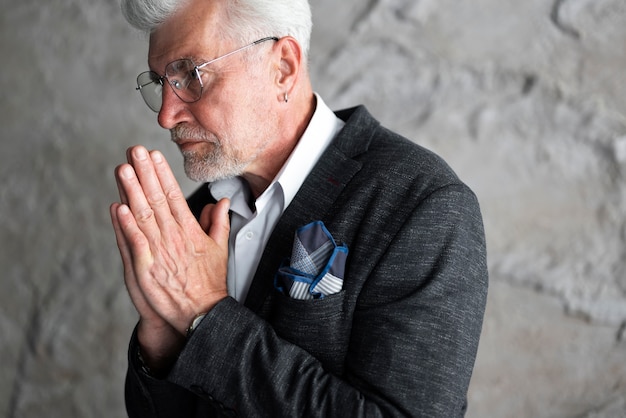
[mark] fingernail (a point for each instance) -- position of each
(157, 157)
(124, 210)
(127, 172)
(141, 153)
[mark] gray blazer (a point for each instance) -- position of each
(400, 339)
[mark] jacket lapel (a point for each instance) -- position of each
(315, 199)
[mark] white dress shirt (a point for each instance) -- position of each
(250, 229)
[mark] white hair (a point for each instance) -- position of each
(245, 20)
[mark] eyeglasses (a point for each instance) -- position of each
(184, 78)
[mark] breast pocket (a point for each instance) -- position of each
(319, 326)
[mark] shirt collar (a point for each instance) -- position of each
(323, 127)
(237, 191)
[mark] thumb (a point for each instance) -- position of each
(205, 217)
(218, 225)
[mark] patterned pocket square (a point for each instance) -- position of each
(317, 265)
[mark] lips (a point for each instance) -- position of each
(196, 146)
(186, 144)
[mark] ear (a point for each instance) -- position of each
(288, 65)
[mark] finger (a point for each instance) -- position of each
(173, 194)
(120, 188)
(122, 245)
(154, 193)
(130, 279)
(136, 256)
(137, 201)
(133, 242)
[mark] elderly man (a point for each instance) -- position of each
(328, 267)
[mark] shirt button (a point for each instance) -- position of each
(249, 235)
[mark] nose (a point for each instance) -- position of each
(173, 109)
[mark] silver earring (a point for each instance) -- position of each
(286, 98)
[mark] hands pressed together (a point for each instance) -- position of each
(174, 266)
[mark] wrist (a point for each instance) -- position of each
(159, 347)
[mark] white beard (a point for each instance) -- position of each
(206, 166)
(213, 166)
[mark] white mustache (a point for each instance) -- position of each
(182, 133)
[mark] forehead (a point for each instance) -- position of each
(190, 32)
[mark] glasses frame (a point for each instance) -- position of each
(196, 69)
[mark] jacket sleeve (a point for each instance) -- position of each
(412, 344)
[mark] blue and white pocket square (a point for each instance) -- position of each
(317, 265)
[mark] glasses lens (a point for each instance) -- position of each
(183, 77)
(151, 88)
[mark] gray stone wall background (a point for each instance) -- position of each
(525, 99)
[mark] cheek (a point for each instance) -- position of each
(240, 114)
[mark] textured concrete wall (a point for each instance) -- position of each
(525, 99)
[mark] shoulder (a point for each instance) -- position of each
(389, 160)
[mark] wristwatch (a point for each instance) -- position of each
(194, 324)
